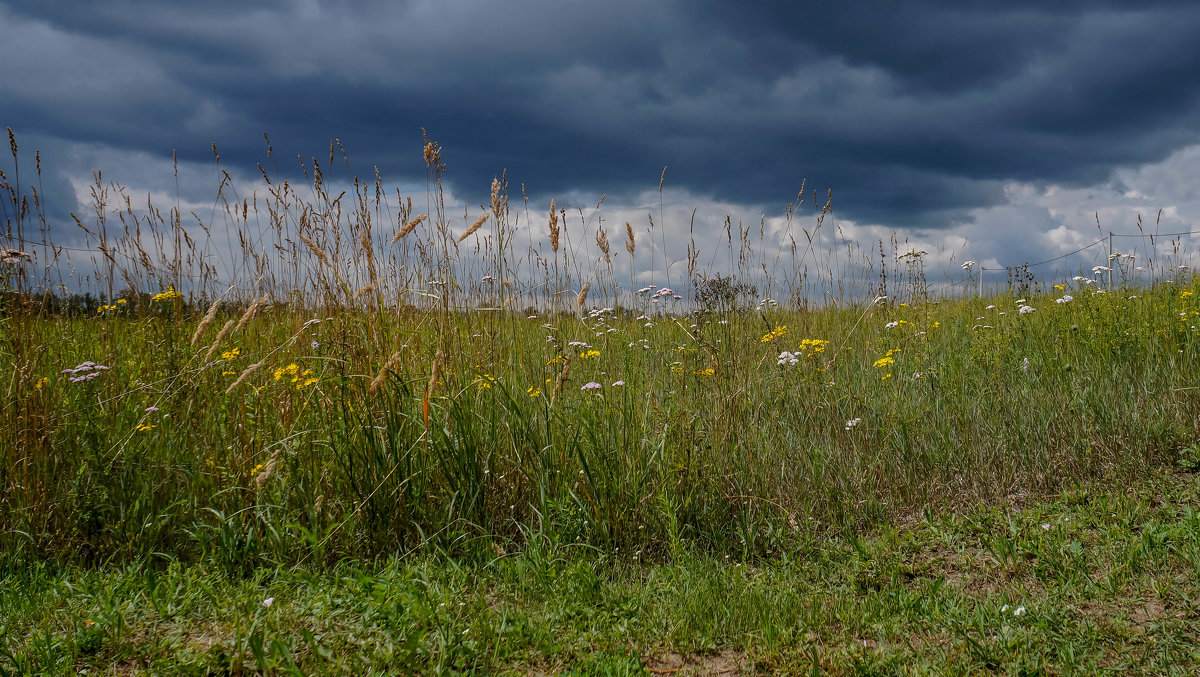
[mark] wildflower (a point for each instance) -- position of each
(168, 295)
(1025, 365)
(1025, 310)
(990, 307)
(314, 345)
(878, 300)
(589, 354)
(591, 385)
(231, 354)
(142, 427)
(578, 344)
(705, 373)
(644, 290)
(151, 409)
(268, 602)
(534, 391)
(13, 256)
(967, 265)
(775, 333)
(486, 381)
(888, 359)
(788, 359)
(1019, 611)
(1100, 269)
(1045, 526)
(618, 384)
(853, 422)
(41, 382)
(891, 325)
(1020, 301)
(292, 370)
(1066, 298)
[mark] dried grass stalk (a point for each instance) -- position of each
(562, 378)
(553, 228)
(206, 320)
(389, 366)
(583, 294)
(244, 375)
(212, 350)
(252, 311)
(409, 227)
(629, 244)
(474, 227)
(315, 249)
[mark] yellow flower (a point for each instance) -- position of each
(121, 301)
(228, 373)
(231, 354)
(305, 383)
(535, 391)
(169, 295)
(587, 355)
(811, 347)
(146, 426)
(888, 359)
(705, 372)
(486, 381)
(41, 382)
(290, 370)
(775, 333)
(885, 377)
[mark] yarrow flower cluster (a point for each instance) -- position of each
(1025, 310)
(853, 422)
(1066, 298)
(13, 256)
(968, 265)
(590, 385)
(85, 371)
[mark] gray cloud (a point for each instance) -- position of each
(915, 117)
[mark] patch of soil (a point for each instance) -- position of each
(726, 662)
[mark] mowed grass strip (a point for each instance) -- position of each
(1099, 578)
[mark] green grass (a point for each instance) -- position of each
(362, 428)
(1106, 576)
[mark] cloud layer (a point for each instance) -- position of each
(944, 119)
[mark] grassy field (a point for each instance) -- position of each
(341, 409)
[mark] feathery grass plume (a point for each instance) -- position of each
(409, 227)
(244, 375)
(315, 249)
(212, 350)
(264, 474)
(496, 203)
(438, 359)
(583, 294)
(602, 243)
(562, 378)
(553, 228)
(206, 320)
(252, 311)
(364, 290)
(474, 227)
(629, 238)
(390, 365)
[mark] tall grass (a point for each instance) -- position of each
(346, 375)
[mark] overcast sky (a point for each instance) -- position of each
(997, 130)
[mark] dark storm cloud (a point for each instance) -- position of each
(913, 115)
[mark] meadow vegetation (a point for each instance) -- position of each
(380, 413)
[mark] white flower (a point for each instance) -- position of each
(1019, 611)
(853, 422)
(1100, 269)
(991, 307)
(891, 325)
(1066, 298)
(1020, 301)
(878, 300)
(1045, 526)
(1004, 608)
(1025, 365)
(268, 602)
(1025, 310)
(967, 265)
(618, 384)
(786, 358)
